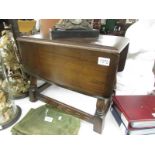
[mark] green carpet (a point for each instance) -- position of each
(47, 120)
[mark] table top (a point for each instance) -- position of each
(101, 43)
(67, 56)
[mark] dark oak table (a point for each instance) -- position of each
(85, 65)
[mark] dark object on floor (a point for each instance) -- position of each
(47, 120)
(13, 120)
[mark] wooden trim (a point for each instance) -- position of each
(68, 109)
(56, 43)
(43, 87)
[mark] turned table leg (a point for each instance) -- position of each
(33, 89)
(102, 107)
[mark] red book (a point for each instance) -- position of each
(128, 129)
(136, 111)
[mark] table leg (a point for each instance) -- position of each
(102, 107)
(33, 89)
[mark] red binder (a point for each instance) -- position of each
(136, 111)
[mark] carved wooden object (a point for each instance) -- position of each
(87, 65)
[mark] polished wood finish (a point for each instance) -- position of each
(73, 64)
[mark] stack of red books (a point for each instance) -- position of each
(135, 114)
